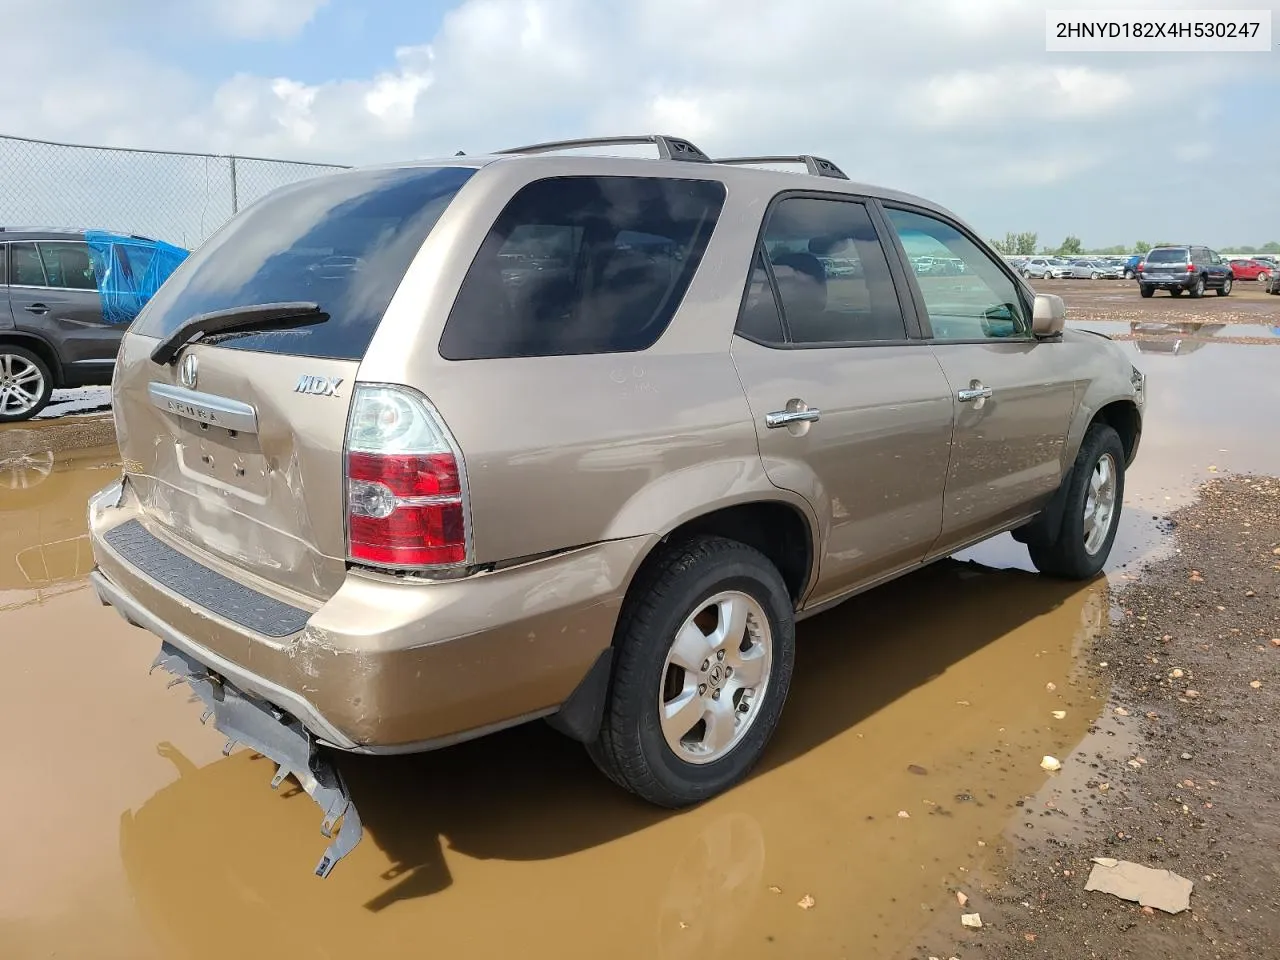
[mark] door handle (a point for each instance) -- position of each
(974, 392)
(36, 308)
(782, 418)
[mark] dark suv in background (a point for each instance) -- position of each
(1191, 268)
(66, 297)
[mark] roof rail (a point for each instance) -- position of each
(669, 148)
(815, 166)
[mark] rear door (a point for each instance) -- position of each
(74, 316)
(1014, 394)
(237, 446)
(850, 411)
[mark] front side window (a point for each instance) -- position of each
(67, 265)
(25, 268)
(980, 302)
(582, 265)
(832, 276)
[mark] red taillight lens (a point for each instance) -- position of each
(405, 510)
(1191, 268)
(1140, 265)
(405, 500)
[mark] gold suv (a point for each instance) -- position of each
(417, 452)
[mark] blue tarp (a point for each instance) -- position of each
(129, 270)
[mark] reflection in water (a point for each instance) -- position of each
(44, 545)
(520, 825)
(1175, 339)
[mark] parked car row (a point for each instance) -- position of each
(1177, 268)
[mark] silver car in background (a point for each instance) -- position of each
(1086, 269)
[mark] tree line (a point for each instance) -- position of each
(1025, 245)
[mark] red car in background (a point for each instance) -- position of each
(1252, 270)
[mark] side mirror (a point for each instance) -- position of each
(1048, 316)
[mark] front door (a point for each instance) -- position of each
(1014, 393)
(851, 412)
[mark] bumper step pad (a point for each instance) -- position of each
(281, 738)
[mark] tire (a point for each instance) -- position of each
(1225, 289)
(1093, 276)
(1175, 291)
(1128, 274)
(1147, 290)
(22, 370)
(632, 748)
(1197, 291)
(1264, 277)
(1069, 556)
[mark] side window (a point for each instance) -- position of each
(26, 269)
(4, 264)
(832, 274)
(68, 265)
(577, 265)
(977, 302)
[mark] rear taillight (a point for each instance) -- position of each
(1140, 265)
(1191, 268)
(406, 493)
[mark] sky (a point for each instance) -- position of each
(955, 100)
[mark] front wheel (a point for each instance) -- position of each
(1128, 274)
(1091, 514)
(1093, 276)
(1264, 278)
(1225, 289)
(704, 650)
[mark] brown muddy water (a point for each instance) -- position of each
(126, 834)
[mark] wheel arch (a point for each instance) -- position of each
(37, 345)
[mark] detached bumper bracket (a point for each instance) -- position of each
(279, 737)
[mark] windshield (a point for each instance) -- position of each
(1168, 255)
(343, 241)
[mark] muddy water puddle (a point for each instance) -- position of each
(127, 833)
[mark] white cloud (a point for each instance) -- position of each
(954, 99)
(259, 19)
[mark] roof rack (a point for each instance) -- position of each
(816, 166)
(669, 148)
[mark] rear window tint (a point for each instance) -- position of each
(1168, 255)
(343, 241)
(578, 265)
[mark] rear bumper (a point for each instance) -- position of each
(387, 666)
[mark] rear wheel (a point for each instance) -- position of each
(1128, 274)
(1091, 514)
(1197, 289)
(704, 651)
(1175, 291)
(25, 384)
(1225, 289)
(1146, 289)
(1264, 277)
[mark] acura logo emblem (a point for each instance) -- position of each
(189, 371)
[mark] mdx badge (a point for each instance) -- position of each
(319, 386)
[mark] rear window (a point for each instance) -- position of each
(1168, 255)
(343, 241)
(578, 265)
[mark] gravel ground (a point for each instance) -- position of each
(1179, 772)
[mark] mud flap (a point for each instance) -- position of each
(278, 736)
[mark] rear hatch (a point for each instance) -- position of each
(234, 443)
(1166, 263)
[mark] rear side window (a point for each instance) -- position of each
(4, 263)
(577, 265)
(1167, 255)
(343, 241)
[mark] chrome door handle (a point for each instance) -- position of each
(36, 308)
(782, 418)
(973, 393)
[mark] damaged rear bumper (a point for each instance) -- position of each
(249, 718)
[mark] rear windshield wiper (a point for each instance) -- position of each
(252, 315)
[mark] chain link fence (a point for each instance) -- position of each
(178, 197)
